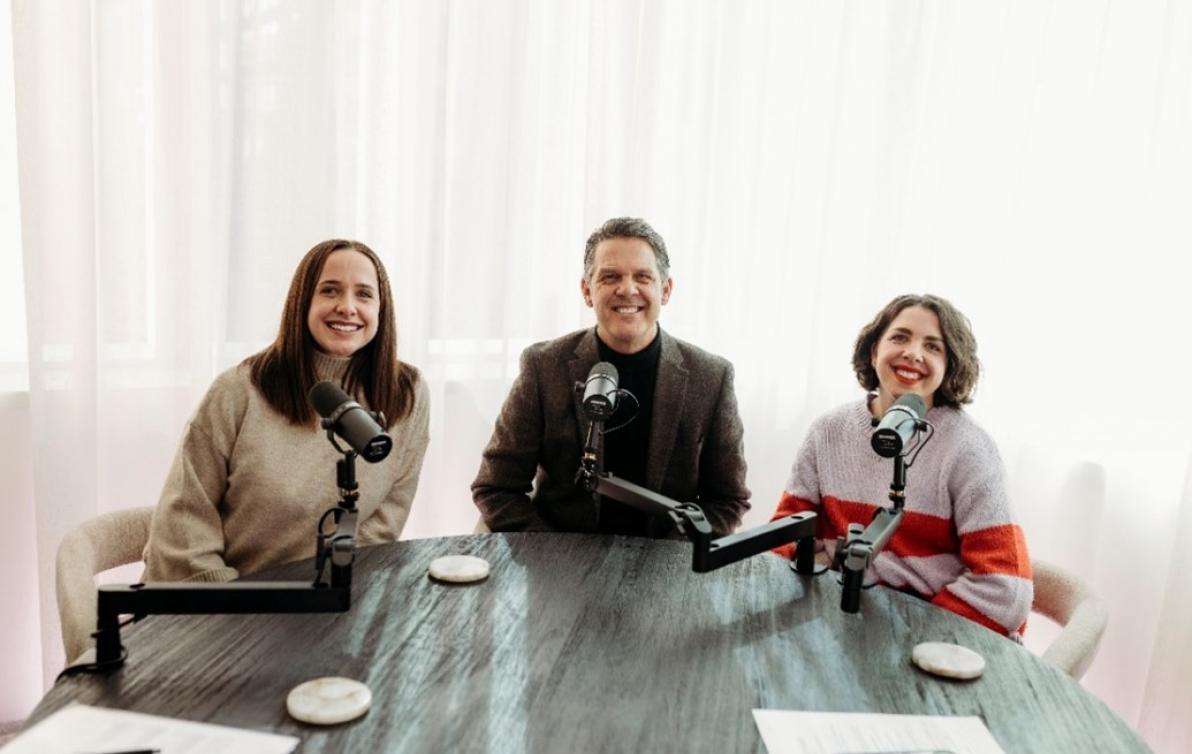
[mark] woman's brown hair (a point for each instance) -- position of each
(285, 371)
(963, 370)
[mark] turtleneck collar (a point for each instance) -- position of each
(331, 368)
(646, 358)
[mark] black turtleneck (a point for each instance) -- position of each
(626, 449)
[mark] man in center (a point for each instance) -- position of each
(683, 442)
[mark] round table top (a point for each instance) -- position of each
(580, 642)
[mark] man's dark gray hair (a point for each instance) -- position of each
(627, 227)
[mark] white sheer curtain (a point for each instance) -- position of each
(805, 162)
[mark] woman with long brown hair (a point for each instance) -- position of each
(254, 469)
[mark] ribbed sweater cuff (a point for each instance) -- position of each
(216, 575)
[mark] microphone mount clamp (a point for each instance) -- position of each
(856, 553)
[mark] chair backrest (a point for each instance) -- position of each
(1066, 599)
(104, 542)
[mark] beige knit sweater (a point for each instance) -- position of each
(247, 488)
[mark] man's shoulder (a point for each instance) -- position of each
(563, 346)
(699, 359)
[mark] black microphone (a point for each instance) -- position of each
(349, 420)
(600, 392)
(898, 425)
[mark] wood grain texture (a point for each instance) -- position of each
(586, 643)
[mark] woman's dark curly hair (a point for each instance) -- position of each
(963, 370)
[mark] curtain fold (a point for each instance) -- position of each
(1163, 717)
(805, 162)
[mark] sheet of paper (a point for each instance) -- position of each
(790, 732)
(80, 729)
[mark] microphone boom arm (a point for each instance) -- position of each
(333, 595)
(708, 553)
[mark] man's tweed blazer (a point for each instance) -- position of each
(527, 475)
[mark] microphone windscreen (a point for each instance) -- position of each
(914, 403)
(326, 397)
(605, 369)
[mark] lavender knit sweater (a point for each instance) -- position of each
(958, 545)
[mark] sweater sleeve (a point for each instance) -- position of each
(502, 487)
(186, 541)
(387, 522)
(994, 588)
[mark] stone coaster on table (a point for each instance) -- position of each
(948, 660)
(327, 701)
(459, 569)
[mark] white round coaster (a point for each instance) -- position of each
(948, 660)
(327, 701)
(459, 569)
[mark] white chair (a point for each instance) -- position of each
(106, 541)
(1066, 599)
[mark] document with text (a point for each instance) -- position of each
(791, 732)
(80, 729)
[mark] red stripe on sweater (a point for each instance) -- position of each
(919, 534)
(949, 601)
(923, 535)
(998, 549)
(787, 505)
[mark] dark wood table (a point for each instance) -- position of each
(586, 643)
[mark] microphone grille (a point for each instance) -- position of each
(326, 397)
(607, 369)
(914, 403)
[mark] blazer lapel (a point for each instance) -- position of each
(670, 392)
(586, 355)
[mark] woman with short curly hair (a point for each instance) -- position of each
(958, 545)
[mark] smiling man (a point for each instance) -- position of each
(683, 440)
